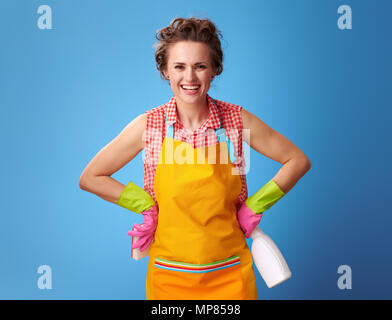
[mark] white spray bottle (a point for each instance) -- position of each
(268, 259)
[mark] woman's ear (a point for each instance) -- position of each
(166, 74)
(213, 74)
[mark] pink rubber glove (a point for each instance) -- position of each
(248, 219)
(146, 230)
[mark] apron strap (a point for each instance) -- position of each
(169, 130)
(222, 137)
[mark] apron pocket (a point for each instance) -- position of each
(219, 280)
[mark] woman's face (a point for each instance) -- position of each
(189, 65)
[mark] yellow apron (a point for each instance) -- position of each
(199, 251)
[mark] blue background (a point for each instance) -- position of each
(67, 92)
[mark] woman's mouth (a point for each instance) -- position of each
(190, 89)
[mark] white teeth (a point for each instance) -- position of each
(190, 87)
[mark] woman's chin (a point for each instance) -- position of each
(191, 98)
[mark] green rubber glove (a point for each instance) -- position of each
(265, 198)
(135, 198)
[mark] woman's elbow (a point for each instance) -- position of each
(302, 162)
(83, 182)
(306, 164)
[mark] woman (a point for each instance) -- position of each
(194, 175)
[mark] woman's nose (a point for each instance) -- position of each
(189, 74)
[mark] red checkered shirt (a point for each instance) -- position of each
(202, 137)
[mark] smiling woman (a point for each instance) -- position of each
(190, 79)
(197, 215)
(189, 55)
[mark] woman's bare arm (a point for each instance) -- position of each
(275, 146)
(96, 179)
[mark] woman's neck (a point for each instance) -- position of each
(192, 116)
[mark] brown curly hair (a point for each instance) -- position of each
(191, 29)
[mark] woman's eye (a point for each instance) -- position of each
(180, 67)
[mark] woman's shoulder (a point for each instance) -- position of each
(227, 106)
(231, 113)
(156, 110)
(155, 117)
(235, 110)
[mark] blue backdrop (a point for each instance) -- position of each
(67, 92)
